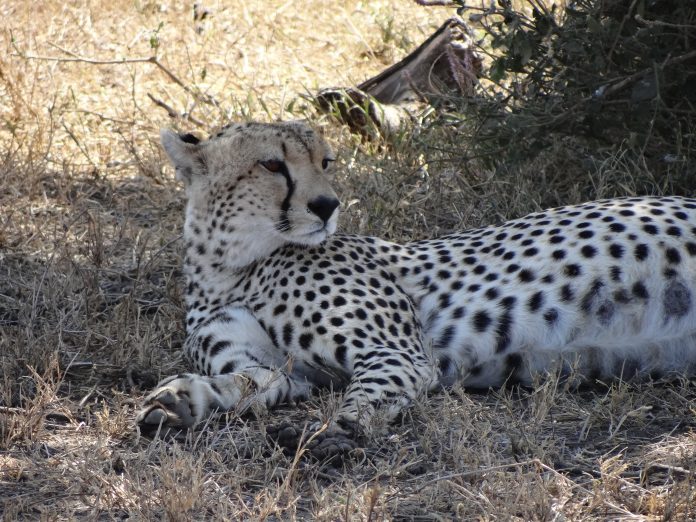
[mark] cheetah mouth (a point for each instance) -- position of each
(319, 234)
(323, 228)
(323, 232)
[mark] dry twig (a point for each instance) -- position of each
(75, 58)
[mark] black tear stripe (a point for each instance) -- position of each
(283, 224)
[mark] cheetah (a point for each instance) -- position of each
(278, 304)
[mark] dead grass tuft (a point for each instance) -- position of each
(91, 308)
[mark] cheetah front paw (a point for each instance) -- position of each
(176, 404)
(165, 411)
(333, 445)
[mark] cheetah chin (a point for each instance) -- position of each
(278, 305)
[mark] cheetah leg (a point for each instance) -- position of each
(183, 401)
(245, 372)
(386, 379)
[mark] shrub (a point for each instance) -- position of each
(599, 77)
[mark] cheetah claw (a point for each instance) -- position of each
(165, 412)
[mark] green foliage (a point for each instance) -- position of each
(155, 38)
(608, 76)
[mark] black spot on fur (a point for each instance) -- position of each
(503, 332)
(205, 344)
(481, 320)
(513, 365)
(588, 251)
(621, 296)
(567, 293)
(677, 299)
(605, 312)
(535, 301)
(229, 367)
(446, 337)
(641, 252)
(639, 290)
(672, 255)
(572, 270)
(398, 381)
(218, 347)
(588, 300)
(526, 276)
(306, 340)
(615, 273)
(340, 354)
(551, 316)
(444, 364)
(616, 250)
(508, 302)
(287, 333)
(673, 231)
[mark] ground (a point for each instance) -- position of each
(90, 285)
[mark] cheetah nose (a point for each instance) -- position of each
(323, 207)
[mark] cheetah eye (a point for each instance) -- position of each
(325, 163)
(275, 166)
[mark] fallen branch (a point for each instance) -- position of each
(75, 58)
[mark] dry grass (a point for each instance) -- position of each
(90, 304)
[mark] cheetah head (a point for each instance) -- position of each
(253, 188)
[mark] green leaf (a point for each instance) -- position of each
(497, 71)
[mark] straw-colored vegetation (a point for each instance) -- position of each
(90, 286)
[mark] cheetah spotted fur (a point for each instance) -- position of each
(278, 305)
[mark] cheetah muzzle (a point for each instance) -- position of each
(278, 305)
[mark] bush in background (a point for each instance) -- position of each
(580, 85)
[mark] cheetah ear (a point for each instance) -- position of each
(185, 154)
